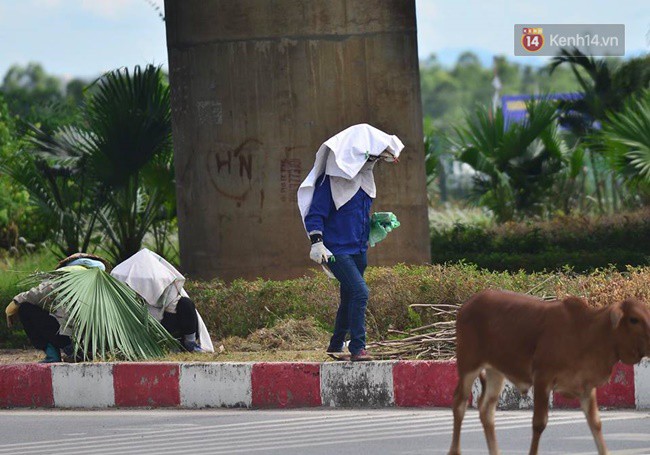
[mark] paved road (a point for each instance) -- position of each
(304, 432)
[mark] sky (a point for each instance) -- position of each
(83, 38)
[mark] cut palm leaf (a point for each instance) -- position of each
(107, 318)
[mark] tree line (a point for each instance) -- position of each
(586, 154)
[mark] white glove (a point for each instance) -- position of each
(319, 253)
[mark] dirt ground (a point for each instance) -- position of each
(20, 355)
(289, 340)
(13, 356)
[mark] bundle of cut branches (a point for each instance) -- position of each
(431, 341)
(435, 341)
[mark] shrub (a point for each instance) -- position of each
(581, 243)
(242, 307)
(239, 308)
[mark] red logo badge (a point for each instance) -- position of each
(532, 39)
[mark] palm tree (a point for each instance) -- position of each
(605, 85)
(61, 190)
(434, 157)
(627, 135)
(515, 165)
(109, 161)
(130, 118)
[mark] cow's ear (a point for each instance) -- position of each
(616, 314)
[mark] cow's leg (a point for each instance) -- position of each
(590, 408)
(487, 405)
(461, 395)
(540, 414)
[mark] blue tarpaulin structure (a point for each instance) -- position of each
(514, 106)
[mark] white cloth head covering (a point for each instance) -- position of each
(159, 284)
(152, 277)
(344, 158)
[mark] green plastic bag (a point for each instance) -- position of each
(381, 223)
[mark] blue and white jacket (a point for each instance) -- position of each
(346, 230)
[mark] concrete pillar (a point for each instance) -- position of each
(257, 86)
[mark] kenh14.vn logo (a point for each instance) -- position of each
(532, 39)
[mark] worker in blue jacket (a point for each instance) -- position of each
(335, 201)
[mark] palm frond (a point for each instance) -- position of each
(515, 165)
(628, 135)
(67, 144)
(128, 216)
(59, 199)
(519, 137)
(576, 59)
(131, 117)
(107, 318)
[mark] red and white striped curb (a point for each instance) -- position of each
(273, 385)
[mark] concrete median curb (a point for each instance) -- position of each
(274, 385)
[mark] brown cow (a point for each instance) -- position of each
(560, 345)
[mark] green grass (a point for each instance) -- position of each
(12, 272)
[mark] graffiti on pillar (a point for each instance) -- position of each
(231, 169)
(290, 170)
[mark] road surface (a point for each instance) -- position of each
(304, 432)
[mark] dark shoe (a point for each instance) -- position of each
(70, 355)
(338, 355)
(68, 350)
(191, 346)
(336, 351)
(361, 356)
(52, 354)
(335, 347)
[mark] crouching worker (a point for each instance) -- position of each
(161, 287)
(32, 308)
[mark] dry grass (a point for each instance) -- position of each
(14, 356)
(243, 307)
(288, 340)
(259, 356)
(286, 335)
(20, 355)
(437, 340)
(604, 287)
(291, 320)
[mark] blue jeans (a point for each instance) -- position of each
(351, 315)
